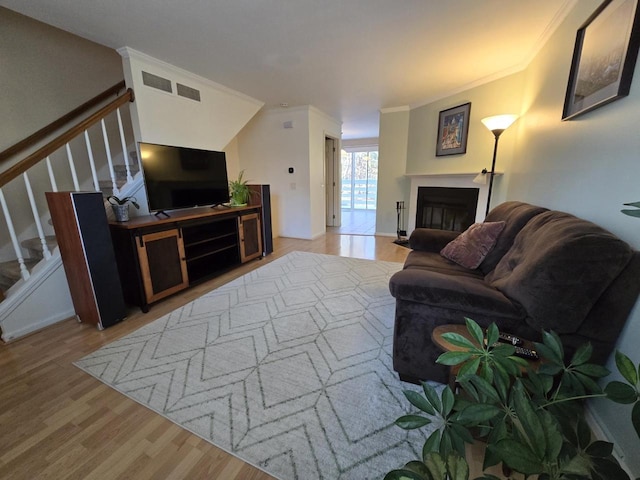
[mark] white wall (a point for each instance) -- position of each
(45, 73)
(393, 185)
(320, 126)
(587, 166)
(267, 150)
(169, 119)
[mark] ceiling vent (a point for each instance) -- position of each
(154, 81)
(188, 92)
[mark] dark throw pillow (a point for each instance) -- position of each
(472, 245)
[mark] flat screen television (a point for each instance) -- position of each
(180, 177)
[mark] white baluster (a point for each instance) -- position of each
(72, 167)
(14, 239)
(114, 186)
(52, 178)
(125, 155)
(45, 249)
(92, 163)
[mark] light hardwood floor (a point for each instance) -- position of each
(57, 422)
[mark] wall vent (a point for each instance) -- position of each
(154, 81)
(188, 92)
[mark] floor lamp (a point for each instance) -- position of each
(497, 124)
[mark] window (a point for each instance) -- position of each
(359, 178)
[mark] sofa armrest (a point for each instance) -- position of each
(430, 239)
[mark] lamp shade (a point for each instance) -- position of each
(499, 122)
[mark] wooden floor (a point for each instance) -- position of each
(57, 422)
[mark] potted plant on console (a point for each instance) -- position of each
(120, 207)
(239, 191)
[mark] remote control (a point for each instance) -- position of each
(526, 353)
(508, 338)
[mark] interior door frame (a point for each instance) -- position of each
(332, 181)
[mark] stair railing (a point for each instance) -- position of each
(63, 140)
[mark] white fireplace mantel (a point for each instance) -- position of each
(452, 180)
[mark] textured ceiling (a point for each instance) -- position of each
(349, 58)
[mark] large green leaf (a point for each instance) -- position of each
(579, 466)
(632, 204)
(432, 396)
(475, 330)
(458, 468)
(432, 444)
(453, 358)
(593, 370)
(531, 425)
(631, 213)
(492, 334)
(422, 470)
(590, 385)
(551, 348)
(610, 469)
(620, 392)
(518, 456)
(469, 368)
(584, 434)
(447, 401)
(458, 340)
(626, 368)
(411, 422)
(477, 413)
(404, 475)
(436, 466)
(419, 401)
(582, 354)
(553, 436)
(485, 388)
(599, 449)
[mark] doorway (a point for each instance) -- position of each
(359, 189)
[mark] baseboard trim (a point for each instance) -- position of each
(36, 326)
(601, 432)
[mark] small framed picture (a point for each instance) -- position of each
(604, 57)
(453, 129)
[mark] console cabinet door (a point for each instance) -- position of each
(162, 263)
(250, 237)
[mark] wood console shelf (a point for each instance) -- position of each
(159, 256)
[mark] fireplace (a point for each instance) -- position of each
(446, 208)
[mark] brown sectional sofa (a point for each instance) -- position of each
(549, 270)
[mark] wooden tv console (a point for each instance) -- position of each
(158, 256)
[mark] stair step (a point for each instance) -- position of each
(10, 271)
(34, 246)
(122, 170)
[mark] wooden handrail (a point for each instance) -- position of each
(24, 165)
(56, 124)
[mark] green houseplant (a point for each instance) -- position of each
(120, 206)
(635, 212)
(532, 424)
(239, 191)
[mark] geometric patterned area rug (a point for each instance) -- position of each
(287, 367)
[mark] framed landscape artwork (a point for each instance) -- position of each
(453, 129)
(604, 57)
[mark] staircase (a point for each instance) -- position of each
(33, 275)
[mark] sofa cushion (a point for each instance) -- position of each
(430, 239)
(558, 267)
(471, 247)
(515, 215)
(437, 263)
(461, 293)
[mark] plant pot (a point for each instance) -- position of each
(121, 212)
